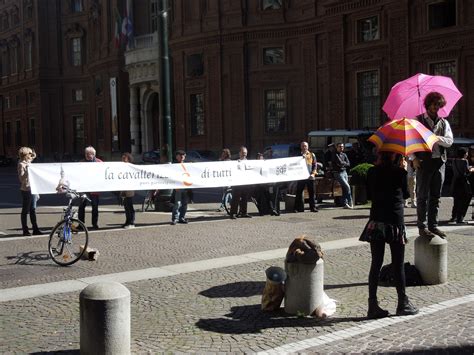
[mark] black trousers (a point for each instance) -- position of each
(240, 196)
(129, 210)
(95, 209)
(398, 255)
(301, 184)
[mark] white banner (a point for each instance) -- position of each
(117, 176)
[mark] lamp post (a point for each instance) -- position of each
(165, 80)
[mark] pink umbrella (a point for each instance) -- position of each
(406, 97)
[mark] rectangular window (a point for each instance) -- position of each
(5, 62)
(76, 52)
(448, 69)
(442, 14)
(7, 102)
(8, 133)
(31, 132)
(368, 99)
(100, 123)
(76, 5)
(14, 60)
(17, 100)
(18, 134)
(275, 110)
(77, 95)
(31, 98)
(78, 133)
(28, 55)
(154, 13)
(273, 55)
(368, 29)
(197, 114)
(194, 65)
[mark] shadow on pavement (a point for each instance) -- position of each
(251, 319)
(351, 217)
(329, 287)
(235, 289)
(29, 258)
(75, 351)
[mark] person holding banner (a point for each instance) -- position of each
(90, 156)
(180, 206)
(240, 194)
(26, 155)
(127, 197)
(310, 159)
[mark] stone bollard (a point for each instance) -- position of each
(105, 319)
(304, 287)
(431, 259)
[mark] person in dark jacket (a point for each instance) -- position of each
(461, 188)
(388, 189)
(340, 164)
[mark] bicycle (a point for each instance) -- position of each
(149, 201)
(69, 238)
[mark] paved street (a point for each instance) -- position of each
(197, 287)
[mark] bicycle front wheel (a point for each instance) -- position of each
(68, 241)
(227, 200)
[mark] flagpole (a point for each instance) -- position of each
(165, 80)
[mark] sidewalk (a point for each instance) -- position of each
(210, 302)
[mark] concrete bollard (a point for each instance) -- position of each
(105, 319)
(304, 287)
(431, 259)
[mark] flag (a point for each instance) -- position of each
(127, 27)
(118, 28)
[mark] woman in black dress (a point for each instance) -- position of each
(388, 189)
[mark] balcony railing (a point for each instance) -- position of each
(145, 41)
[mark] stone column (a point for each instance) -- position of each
(105, 319)
(134, 122)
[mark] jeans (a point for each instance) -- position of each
(95, 209)
(398, 255)
(28, 206)
(180, 205)
(342, 178)
(429, 181)
(129, 210)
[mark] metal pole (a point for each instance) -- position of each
(165, 79)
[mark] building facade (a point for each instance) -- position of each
(257, 72)
(62, 83)
(269, 71)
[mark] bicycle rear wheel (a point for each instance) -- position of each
(68, 242)
(227, 200)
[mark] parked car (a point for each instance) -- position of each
(151, 157)
(5, 161)
(197, 156)
(281, 151)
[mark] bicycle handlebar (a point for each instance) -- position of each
(74, 193)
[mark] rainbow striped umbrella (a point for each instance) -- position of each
(404, 136)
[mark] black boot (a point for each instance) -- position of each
(375, 311)
(405, 308)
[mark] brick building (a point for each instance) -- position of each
(269, 71)
(62, 83)
(253, 72)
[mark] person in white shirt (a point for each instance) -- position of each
(430, 167)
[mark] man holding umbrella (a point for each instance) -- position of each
(430, 166)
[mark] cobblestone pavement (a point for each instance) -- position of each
(218, 310)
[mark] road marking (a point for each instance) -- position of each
(24, 292)
(364, 328)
